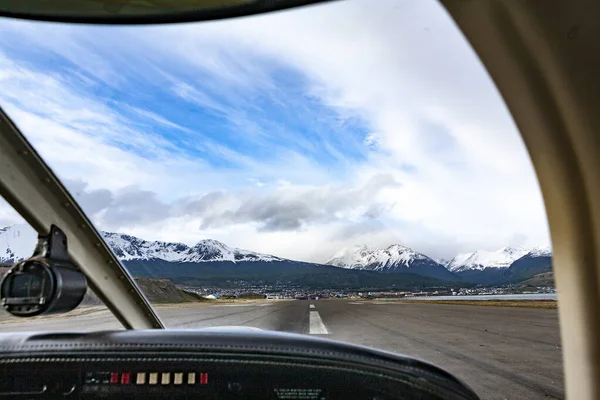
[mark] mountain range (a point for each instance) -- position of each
(212, 262)
(482, 259)
(394, 259)
(128, 248)
(505, 265)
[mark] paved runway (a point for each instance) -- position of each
(502, 353)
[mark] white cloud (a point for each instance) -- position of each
(436, 123)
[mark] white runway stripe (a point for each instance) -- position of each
(312, 306)
(316, 325)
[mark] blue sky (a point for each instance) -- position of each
(206, 116)
(294, 134)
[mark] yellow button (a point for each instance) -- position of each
(178, 378)
(140, 378)
(153, 378)
(166, 378)
(191, 378)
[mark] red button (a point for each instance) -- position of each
(114, 377)
(203, 378)
(125, 378)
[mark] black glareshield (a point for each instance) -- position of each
(47, 283)
(141, 12)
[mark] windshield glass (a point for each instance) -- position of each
(346, 170)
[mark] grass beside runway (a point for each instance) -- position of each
(542, 304)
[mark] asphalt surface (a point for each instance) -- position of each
(502, 353)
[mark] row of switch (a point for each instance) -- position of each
(150, 378)
(165, 378)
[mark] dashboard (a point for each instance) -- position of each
(157, 364)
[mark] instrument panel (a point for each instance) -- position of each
(161, 380)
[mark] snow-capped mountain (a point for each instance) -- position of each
(534, 262)
(129, 248)
(540, 252)
(393, 259)
(502, 258)
(502, 266)
(482, 259)
(17, 242)
(360, 257)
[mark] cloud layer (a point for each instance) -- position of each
(294, 133)
(286, 208)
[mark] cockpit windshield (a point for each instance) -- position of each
(346, 170)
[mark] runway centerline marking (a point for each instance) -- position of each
(316, 325)
(312, 306)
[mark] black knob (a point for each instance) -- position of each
(234, 387)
